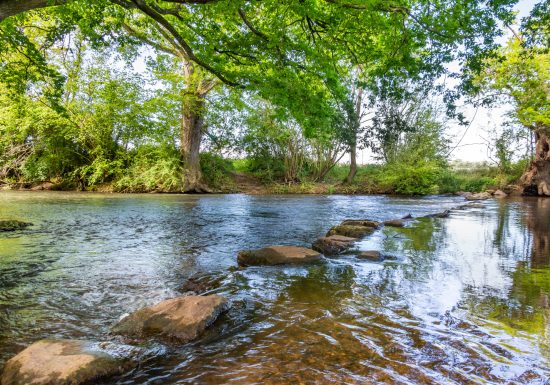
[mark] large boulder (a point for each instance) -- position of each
(181, 319)
(68, 362)
(350, 231)
(13, 225)
(277, 255)
(333, 245)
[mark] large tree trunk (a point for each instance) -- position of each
(192, 126)
(536, 180)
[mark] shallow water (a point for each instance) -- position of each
(467, 300)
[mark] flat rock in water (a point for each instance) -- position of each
(360, 222)
(372, 255)
(395, 223)
(500, 194)
(444, 214)
(182, 318)
(13, 225)
(333, 245)
(350, 231)
(277, 255)
(68, 362)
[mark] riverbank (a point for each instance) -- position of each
(370, 180)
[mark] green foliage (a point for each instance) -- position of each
(152, 168)
(216, 170)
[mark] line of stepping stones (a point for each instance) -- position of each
(177, 320)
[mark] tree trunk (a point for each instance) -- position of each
(353, 146)
(14, 7)
(353, 162)
(536, 180)
(192, 127)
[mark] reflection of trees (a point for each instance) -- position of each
(527, 305)
(323, 285)
(537, 219)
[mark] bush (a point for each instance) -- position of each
(407, 179)
(153, 168)
(216, 170)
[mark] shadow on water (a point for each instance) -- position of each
(464, 301)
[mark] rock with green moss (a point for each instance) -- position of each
(350, 231)
(68, 362)
(360, 222)
(13, 225)
(277, 255)
(180, 319)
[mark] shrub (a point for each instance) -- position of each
(156, 168)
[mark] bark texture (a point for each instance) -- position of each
(14, 7)
(536, 180)
(192, 126)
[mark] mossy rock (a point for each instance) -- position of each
(13, 225)
(277, 255)
(350, 231)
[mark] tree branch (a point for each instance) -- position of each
(180, 40)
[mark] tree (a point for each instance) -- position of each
(296, 53)
(522, 75)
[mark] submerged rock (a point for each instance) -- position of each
(372, 255)
(360, 222)
(13, 225)
(68, 362)
(333, 245)
(182, 318)
(350, 231)
(277, 255)
(395, 223)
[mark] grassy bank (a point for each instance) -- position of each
(160, 171)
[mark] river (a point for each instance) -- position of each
(466, 300)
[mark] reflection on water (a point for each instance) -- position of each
(465, 301)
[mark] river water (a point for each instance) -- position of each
(466, 300)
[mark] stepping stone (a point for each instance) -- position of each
(182, 318)
(444, 214)
(277, 255)
(371, 255)
(68, 362)
(350, 231)
(395, 223)
(333, 245)
(360, 222)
